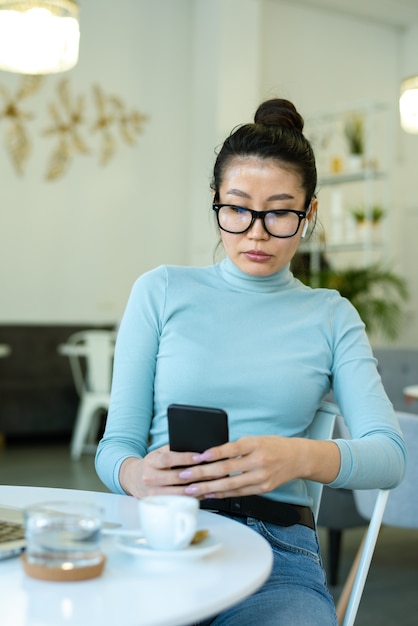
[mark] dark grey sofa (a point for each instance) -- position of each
(37, 393)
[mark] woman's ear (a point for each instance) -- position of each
(314, 207)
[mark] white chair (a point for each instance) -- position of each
(5, 350)
(398, 507)
(352, 591)
(322, 427)
(90, 354)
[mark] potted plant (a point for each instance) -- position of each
(354, 134)
(373, 215)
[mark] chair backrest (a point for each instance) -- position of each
(97, 348)
(321, 427)
(397, 507)
(402, 506)
(5, 350)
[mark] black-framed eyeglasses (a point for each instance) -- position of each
(282, 223)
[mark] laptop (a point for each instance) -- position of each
(12, 532)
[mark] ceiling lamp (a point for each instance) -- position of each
(38, 37)
(408, 105)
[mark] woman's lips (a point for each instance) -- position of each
(257, 255)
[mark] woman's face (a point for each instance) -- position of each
(261, 185)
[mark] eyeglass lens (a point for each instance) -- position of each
(279, 224)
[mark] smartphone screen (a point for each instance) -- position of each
(196, 428)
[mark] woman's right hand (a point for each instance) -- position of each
(155, 473)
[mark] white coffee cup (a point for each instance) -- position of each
(168, 522)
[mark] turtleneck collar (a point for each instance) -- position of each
(241, 281)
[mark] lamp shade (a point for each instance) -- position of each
(408, 105)
(38, 37)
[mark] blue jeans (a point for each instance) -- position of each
(296, 592)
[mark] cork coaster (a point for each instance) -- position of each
(60, 574)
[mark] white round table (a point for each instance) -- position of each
(135, 590)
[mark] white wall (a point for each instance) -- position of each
(70, 249)
(226, 88)
(323, 60)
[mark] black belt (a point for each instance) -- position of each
(264, 509)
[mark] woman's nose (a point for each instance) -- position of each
(257, 230)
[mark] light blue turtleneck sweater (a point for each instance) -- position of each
(265, 349)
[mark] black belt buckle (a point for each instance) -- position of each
(235, 506)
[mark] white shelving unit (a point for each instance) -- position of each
(343, 189)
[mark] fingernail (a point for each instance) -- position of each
(191, 491)
(205, 456)
(186, 474)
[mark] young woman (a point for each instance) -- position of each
(244, 335)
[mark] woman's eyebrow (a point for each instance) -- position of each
(281, 196)
(276, 196)
(238, 192)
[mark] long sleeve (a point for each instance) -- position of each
(132, 403)
(375, 457)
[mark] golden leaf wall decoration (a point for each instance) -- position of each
(68, 125)
(29, 85)
(67, 117)
(111, 112)
(17, 145)
(17, 142)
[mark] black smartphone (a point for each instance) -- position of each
(196, 428)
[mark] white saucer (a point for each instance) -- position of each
(138, 545)
(117, 531)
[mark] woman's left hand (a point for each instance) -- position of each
(257, 465)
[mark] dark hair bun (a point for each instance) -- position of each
(278, 112)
